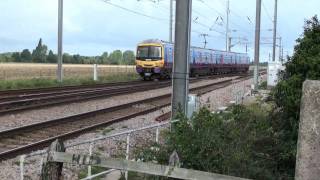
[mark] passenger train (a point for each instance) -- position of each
(154, 60)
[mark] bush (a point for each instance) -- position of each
(238, 143)
(304, 64)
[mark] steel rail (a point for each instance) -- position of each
(44, 99)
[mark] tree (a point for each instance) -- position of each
(77, 59)
(304, 64)
(26, 56)
(52, 58)
(39, 54)
(115, 57)
(67, 58)
(16, 57)
(128, 57)
(104, 57)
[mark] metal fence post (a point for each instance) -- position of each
(22, 158)
(41, 164)
(127, 153)
(90, 154)
(157, 135)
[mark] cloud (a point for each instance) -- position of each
(93, 26)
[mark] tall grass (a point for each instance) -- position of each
(45, 82)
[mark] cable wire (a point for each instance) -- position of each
(134, 12)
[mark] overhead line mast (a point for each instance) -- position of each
(180, 74)
(257, 44)
(171, 22)
(227, 24)
(275, 30)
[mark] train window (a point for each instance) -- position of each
(142, 52)
(155, 52)
(149, 52)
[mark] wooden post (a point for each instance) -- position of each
(146, 168)
(52, 170)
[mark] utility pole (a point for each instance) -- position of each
(229, 44)
(275, 30)
(269, 57)
(180, 74)
(60, 31)
(171, 22)
(227, 24)
(282, 53)
(257, 44)
(205, 39)
(246, 48)
(280, 47)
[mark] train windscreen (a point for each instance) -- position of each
(149, 52)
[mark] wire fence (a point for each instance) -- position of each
(14, 71)
(127, 139)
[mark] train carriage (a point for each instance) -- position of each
(154, 59)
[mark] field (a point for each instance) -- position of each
(21, 71)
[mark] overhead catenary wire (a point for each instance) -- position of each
(163, 20)
(267, 12)
(134, 12)
(222, 15)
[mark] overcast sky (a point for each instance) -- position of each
(94, 26)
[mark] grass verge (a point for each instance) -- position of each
(44, 83)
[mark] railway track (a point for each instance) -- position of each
(20, 92)
(20, 100)
(30, 101)
(32, 137)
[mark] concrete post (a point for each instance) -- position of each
(308, 152)
(171, 22)
(95, 72)
(257, 45)
(53, 170)
(60, 32)
(181, 56)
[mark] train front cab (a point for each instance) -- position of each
(150, 60)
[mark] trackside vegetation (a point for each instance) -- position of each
(238, 142)
(304, 64)
(43, 83)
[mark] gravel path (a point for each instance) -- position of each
(115, 146)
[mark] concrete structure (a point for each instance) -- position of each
(308, 152)
(193, 104)
(273, 69)
(257, 44)
(180, 74)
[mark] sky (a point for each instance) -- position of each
(92, 27)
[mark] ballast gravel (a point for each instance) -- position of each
(9, 121)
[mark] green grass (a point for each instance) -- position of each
(43, 83)
(107, 130)
(263, 85)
